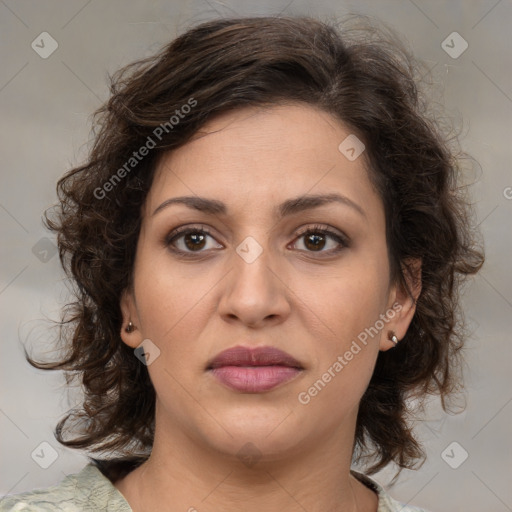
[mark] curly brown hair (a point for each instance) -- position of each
(362, 76)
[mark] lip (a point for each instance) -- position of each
(254, 370)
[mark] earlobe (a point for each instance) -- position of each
(130, 332)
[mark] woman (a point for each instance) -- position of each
(267, 243)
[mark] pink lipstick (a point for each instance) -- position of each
(254, 370)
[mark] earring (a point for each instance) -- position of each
(392, 337)
(130, 327)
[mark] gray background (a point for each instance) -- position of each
(46, 107)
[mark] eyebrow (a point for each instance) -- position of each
(287, 208)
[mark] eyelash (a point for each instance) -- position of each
(316, 229)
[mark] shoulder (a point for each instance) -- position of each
(87, 490)
(386, 502)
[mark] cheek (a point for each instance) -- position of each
(346, 347)
(345, 301)
(171, 308)
(167, 298)
(342, 314)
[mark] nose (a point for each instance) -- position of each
(255, 292)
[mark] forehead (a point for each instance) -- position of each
(258, 156)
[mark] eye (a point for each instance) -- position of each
(188, 240)
(316, 238)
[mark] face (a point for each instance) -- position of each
(262, 267)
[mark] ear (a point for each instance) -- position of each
(129, 312)
(402, 303)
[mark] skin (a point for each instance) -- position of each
(309, 303)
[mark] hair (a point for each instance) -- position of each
(365, 78)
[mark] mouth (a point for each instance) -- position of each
(254, 370)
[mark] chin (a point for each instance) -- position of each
(250, 446)
(273, 431)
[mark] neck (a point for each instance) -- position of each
(183, 475)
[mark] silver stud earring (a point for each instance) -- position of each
(130, 327)
(392, 337)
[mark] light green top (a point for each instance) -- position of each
(91, 491)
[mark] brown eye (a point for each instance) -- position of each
(316, 239)
(189, 240)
